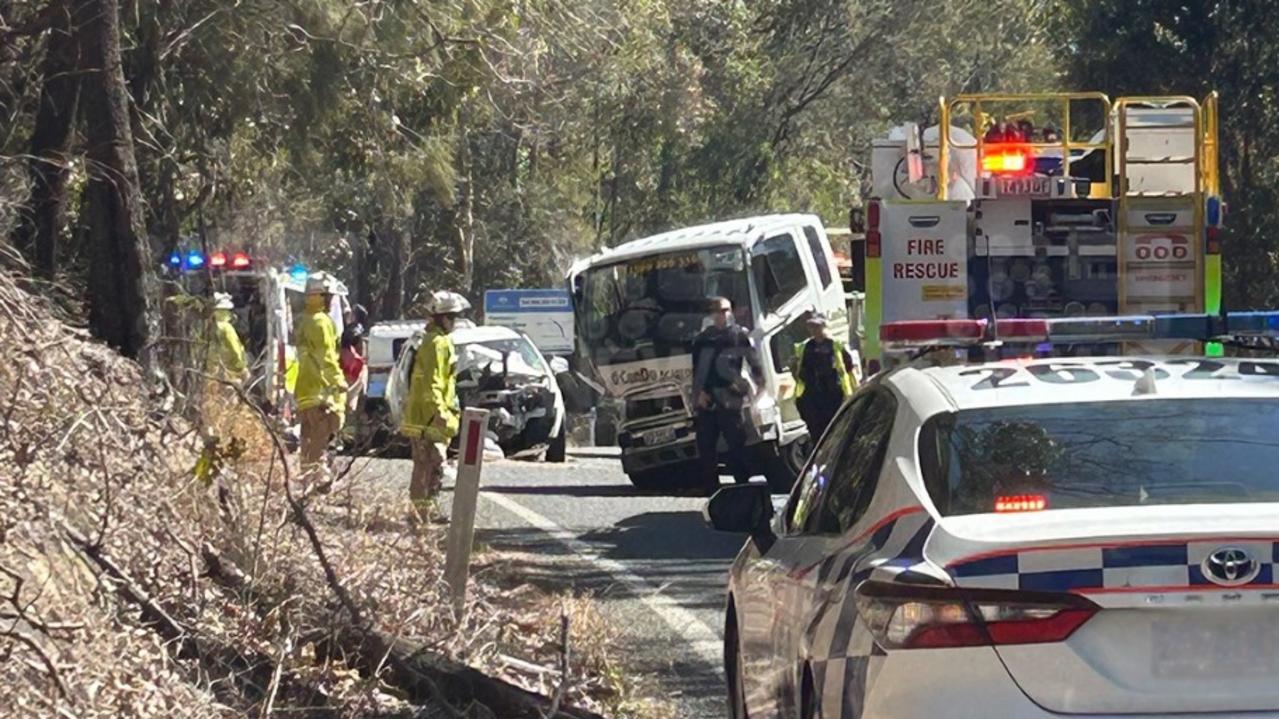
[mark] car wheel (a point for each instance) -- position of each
(733, 669)
(558, 451)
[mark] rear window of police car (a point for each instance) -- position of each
(1102, 454)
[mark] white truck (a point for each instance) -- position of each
(639, 306)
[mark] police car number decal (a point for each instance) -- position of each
(1123, 370)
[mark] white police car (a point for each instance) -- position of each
(1023, 538)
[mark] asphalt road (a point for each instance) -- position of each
(657, 571)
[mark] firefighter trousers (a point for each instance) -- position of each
(428, 476)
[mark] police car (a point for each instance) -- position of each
(1029, 537)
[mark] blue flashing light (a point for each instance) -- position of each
(298, 272)
(1213, 211)
(195, 260)
(175, 259)
(1253, 323)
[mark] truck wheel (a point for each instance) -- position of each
(650, 480)
(605, 432)
(673, 477)
(558, 450)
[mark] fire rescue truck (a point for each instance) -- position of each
(1045, 206)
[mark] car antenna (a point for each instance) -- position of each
(990, 301)
(1145, 384)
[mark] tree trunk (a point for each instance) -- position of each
(465, 218)
(120, 261)
(38, 229)
(394, 242)
(363, 265)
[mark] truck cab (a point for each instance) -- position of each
(639, 306)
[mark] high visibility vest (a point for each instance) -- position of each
(846, 382)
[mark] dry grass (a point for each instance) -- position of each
(86, 451)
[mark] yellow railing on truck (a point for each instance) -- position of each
(1066, 144)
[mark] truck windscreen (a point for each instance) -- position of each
(654, 306)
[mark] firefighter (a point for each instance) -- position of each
(721, 353)
(226, 358)
(432, 415)
(321, 386)
(823, 371)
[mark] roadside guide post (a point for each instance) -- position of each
(466, 492)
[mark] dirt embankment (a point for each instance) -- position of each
(136, 580)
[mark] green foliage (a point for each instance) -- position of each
(1151, 47)
(505, 137)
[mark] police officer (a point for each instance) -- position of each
(823, 370)
(721, 390)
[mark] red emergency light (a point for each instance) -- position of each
(1005, 159)
(932, 332)
(240, 261)
(217, 260)
(1022, 329)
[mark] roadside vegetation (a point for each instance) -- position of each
(154, 566)
(155, 559)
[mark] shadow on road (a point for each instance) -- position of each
(665, 535)
(672, 551)
(566, 490)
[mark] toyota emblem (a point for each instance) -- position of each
(1230, 567)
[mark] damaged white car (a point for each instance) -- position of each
(500, 370)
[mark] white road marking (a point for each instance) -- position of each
(702, 640)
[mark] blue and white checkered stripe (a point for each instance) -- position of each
(1138, 567)
(845, 659)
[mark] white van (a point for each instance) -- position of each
(639, 306)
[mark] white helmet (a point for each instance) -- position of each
(444, 302)
(222, 301)
(324, 284)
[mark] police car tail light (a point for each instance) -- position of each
(1021, 503)
(906, 617)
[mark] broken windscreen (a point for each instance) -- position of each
(654, 306)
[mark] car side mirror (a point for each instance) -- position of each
(559, 365)
(743, 509)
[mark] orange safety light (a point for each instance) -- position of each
(1004, 163)
(1021, 503)
(1003, 158)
